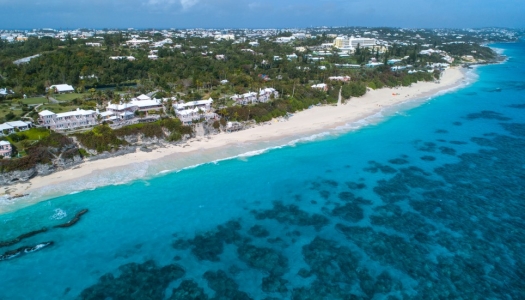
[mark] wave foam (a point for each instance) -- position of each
(59, 214)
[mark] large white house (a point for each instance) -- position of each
(351, 43)
(264, 95)
(9, 127)
(191, 111)
(62, 88)
(69, 120)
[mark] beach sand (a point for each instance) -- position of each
(314, 120)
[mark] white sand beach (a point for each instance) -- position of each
(316, 119)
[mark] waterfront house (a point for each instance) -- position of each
(69, 120)
(266, 94)
(246, 98)
(6, 149)
(189, 112)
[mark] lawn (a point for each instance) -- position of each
(5, 110)
(34, 100)
(68, 97)
(57, 108)
(35, 133)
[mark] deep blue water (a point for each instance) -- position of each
(427, 204)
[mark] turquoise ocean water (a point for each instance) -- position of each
(425, 202)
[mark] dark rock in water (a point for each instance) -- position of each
(428, 147)
(224, 287)
(458, 143)
(259, 231)
(21, 237)
(272, 284)
(24, 250)
(350, 212)
(277, 240)
(375, 167)
(447, 150)
(517, 129)
(265, 259)
(334, 267)
(355, 186)
(136, 281)
(441, 131)
(73, 221)
(209, 245)
(398, 161)
(329, 182)
(324, 194)
(304, 273)
(188, 290)
(291, 214)
(487, 114)
(313, 202)
(391, 216)
(457, 123)
(428, 158)
(519, 106)
(388, 249)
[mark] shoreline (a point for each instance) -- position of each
(214, 148)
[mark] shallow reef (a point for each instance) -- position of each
(417, 232)
(487, 114)
(376, 167)
(291, 214)
(136, 281)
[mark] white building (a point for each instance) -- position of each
(264, 95)
(62, 88)
(141, 103)
(135, 43)
(10, 127)
(130, 58)
(340, 78)
(351, 43)
(283, 40)
(69, 120)
(189, 112)
(320, 86)
(227, 37)
(5, 149)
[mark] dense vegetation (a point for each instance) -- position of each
(103, 138)
(44, 151)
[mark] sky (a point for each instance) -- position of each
(142, 14)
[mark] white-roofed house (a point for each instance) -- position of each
(69, 120)
(340, 78)
(191, 111)
(320, 86)
(62, 88)
(20, 125)
(6, 129)
(5, 149)
(124, 111)
(246, 98)
(266, 94)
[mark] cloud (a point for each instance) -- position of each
(185, 4)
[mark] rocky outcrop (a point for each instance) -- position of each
(121, 151)
(60, 163)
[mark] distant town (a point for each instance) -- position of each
(75, 82)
